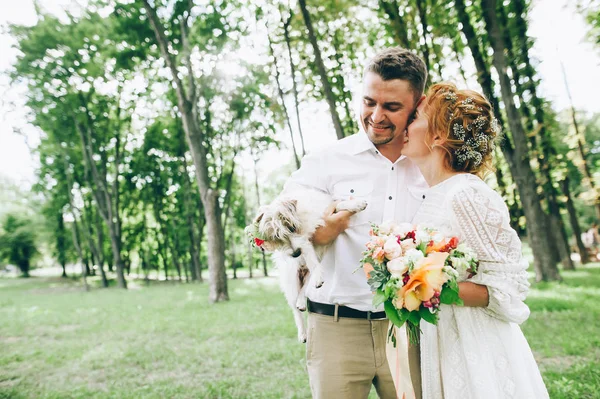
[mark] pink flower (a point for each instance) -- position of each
(378, 254)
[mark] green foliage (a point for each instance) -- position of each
(18, 241)
(591, 11)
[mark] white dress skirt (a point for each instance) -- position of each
(475, 353)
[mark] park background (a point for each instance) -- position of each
(138, 138)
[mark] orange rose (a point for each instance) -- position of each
(442, 246)
(427, 278)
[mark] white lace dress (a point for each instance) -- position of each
(476, 353)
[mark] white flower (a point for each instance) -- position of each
(469, 253)
(412, 256)
(408, 244)
(397, 267)
(386, 228)
(403, 229)
(461, 265)
(422, 236)
(437, 237)
(392, 249)
(450, 272)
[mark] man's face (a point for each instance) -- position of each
(386, 108)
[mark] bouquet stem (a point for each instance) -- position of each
(414, 333)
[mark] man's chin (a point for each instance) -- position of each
(380, 139)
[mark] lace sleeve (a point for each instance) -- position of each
(483, 219)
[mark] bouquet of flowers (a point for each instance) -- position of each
(412, 270)
(254, 236)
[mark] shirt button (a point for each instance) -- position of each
(390, 197)
(376, 152)
(423, 196)
(352, 190)
(392, 168)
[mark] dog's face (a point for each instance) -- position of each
(276, 222)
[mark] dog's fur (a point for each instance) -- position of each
(288, 224)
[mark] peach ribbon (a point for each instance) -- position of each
(398, 361)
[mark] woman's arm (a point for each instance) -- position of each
(474, 295)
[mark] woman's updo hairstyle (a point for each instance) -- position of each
(465, 121)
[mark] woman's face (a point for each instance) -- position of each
(415, 145)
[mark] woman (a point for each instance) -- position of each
(476, 350)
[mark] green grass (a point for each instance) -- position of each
(165, 340)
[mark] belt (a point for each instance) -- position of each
(342, 311)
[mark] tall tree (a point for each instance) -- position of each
(318, 59)
(186, 104)
(537, 225)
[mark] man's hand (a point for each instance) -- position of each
(335, 224)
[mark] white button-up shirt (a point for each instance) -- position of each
(353, 167)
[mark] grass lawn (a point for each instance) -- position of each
(164, 340)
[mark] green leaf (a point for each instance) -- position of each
(449, 296)
(414, 317)
(393, 314)
(378, 298)
(403, 314)
(428, 316)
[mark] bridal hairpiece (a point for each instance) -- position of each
(480, 143)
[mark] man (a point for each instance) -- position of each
(346, 336)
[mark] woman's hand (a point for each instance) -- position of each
(473, 295)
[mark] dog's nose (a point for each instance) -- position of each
(296, 253)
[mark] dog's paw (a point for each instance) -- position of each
(302, 337)
(360, 205)
(353, 205)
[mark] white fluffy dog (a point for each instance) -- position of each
(287, 226)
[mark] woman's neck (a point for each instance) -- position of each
(434, 170)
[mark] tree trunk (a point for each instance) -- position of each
(250, 259)
(582, 149)
(216, 254)
(24, 267)
(60, 244)
(421, 7)
(286, 35)
(102, 196)
(76, 236)
(282, 98)
(264, 257)
(560, 234)
(537, 226)
(548, 152)
(337, 124)
(194, 242)
(174, 247)
(77, 245)
(162, 250)
(95, 246)
(515, 212)
(575, 222)
(399, 26)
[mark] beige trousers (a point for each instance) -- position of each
(346, 356)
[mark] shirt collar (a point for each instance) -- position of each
(362, 144)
